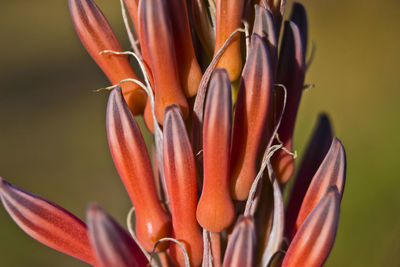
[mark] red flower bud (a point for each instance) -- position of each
(215, 211)
(188, 67)
(228, 18)
(132, 161)
(252, 110)
(156, 39)
(113, 245)
(241, 248)
(180, 176)
(291, 71)
(47, 222)
(332, 171)
(96, 35)
(313, 242)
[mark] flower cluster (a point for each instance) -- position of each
(221, 101)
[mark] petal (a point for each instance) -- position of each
(332, 171)
(189, 69)
(316, 151)
(252, 110)
(96, 35)
(313, 242)
(215, 211)
(228, 18)
(113, 245)
(132, 161)
(291, 71)
(156, 39)
(241, 246)
(182, 188)
(47, 222)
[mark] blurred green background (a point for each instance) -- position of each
(53, 142)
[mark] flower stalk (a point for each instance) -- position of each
(222, 107)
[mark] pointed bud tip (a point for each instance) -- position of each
(241, 246)
(219, 72)
(245, 220)
(116, 94)
(324, 118)
(313, 242)
(112, 244)
(2, 182)
(93, 208)
(169, 110)
(332, 190)
(173, 116)
(6, 186)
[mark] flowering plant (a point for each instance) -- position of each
(222, 108)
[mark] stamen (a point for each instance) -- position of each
(132, 39)
(294, 154)
(250, 201)
(109, 88)
(278, 123)
(247, 37)
(185, 254)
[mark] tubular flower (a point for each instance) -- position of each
(221, 156)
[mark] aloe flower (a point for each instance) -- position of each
(221, 102)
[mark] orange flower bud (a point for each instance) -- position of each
(188, 67)
(317, 149)
(47, 222)
(180, 176)
(264, 26)
(291, 71)
(132, 161)
(228, 18)
(156, 39)
(332, 171)
(252, 110)
(96, 35)
(241, 248)
(313, 242)
(215, 211)
(113, 245)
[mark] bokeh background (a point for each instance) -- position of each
(52, 126)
